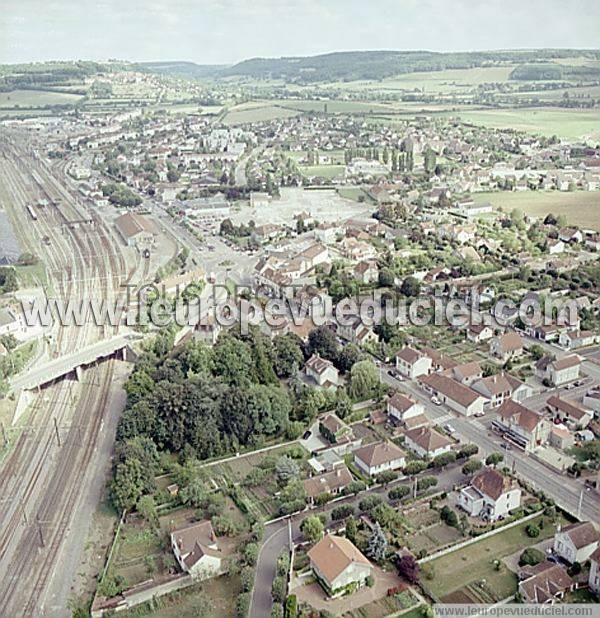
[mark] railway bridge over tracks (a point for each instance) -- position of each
(74, 363)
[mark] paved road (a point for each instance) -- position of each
(566, 491)
(277, 536)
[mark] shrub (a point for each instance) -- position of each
(342, 511)
(369, 503)
(532, 531)
(531, 557)
(385, 477)
(426, 482)
(449, 516)
(399, 492)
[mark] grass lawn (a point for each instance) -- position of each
(565, 123)
(36, 98)
(476, 562)
(354, 193)
(257, 112)
(325, 171)
(579, 207)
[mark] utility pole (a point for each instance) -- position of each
(580, 503)
(56, 430)
(39, 527)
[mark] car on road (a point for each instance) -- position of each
(578, 383)
(449, 428)
(480, 414)
(435, 401)
(506, 446)
(568, 387)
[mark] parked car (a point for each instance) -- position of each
(307, 434)
(449, 428)
(435, 401)
(482, 413)
(506, 446)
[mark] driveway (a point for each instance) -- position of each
(512, 561)
(314, 595)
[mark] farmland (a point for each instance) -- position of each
(35, 98)
(564, 123)
(256, 112)
(580, 207)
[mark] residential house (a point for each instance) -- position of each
(426, 442)
(334, 430)
(479, 332)
(569, 412)
(523, 426)
(411, 363)
(378, 457)
(594, 577)
(366, 272)
(406, 410)
(576, 542)
(322, 371)
(592, 400)
(500, 387)
(573, 339)
(338, 565)
(545, 583)
(332, 482)
(455, 395)
(555, 246)
(196, 550)
(560, 371)
(439, 361)
(491, 495)
(560, 437)
(467, 373)
(207, 330)
(507, 346)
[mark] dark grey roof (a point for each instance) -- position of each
(9, 247)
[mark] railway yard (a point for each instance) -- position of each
(58, 456)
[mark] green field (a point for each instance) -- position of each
(256, 112)
(336, 107)
(476, 562)
(581, 208)
(565, 123)
(326, 171)
(36, 98)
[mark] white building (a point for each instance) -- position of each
(455, 395)
(338, 565)
(378, 457)
(577, 542)
(196, 550)
(490, 495)
(411, 363)
(322, 371)
(427, 443)
(406, 410)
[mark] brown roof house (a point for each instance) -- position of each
(426, 442)
(455, 395)
(560, 371)
(594, 577)
(569, 412)
(507, 346)
(405, 410)
(196, 550)
(544, 583)
(527, 428)
(378, 457)
(491, 495)
(332, 482)
(411, 363)
(577, 542)
(322, 371)
(338, 565)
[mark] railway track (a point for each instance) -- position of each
(44, 479)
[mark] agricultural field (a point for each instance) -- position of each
(256, 112)
(323, 171)
(474, 563)
(564, 123)
(581, 208)
(36, 98)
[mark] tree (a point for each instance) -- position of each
(467, 450)
(532, 531)
(377, 544)
(369, 502)
(414, 467)
(426, 482)
(312, 528)
(441, 461)
(247, 578)
(472, 466)
(146, 507)
(128, 484)
(449, 516)
(322, 341)
(354, 487)
(286, 469)
(342, 511)
(385, 477)
(242, 605)
(288, 355)
(531, 557)
(493, 459)
(399, 492)
(386, 277)
(410, 287)
(408, 569)
(278, 589)
(351, 529)
(251, 554)
(364, 380)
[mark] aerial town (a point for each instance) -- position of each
(286, 467)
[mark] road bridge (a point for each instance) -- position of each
(74, 363)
